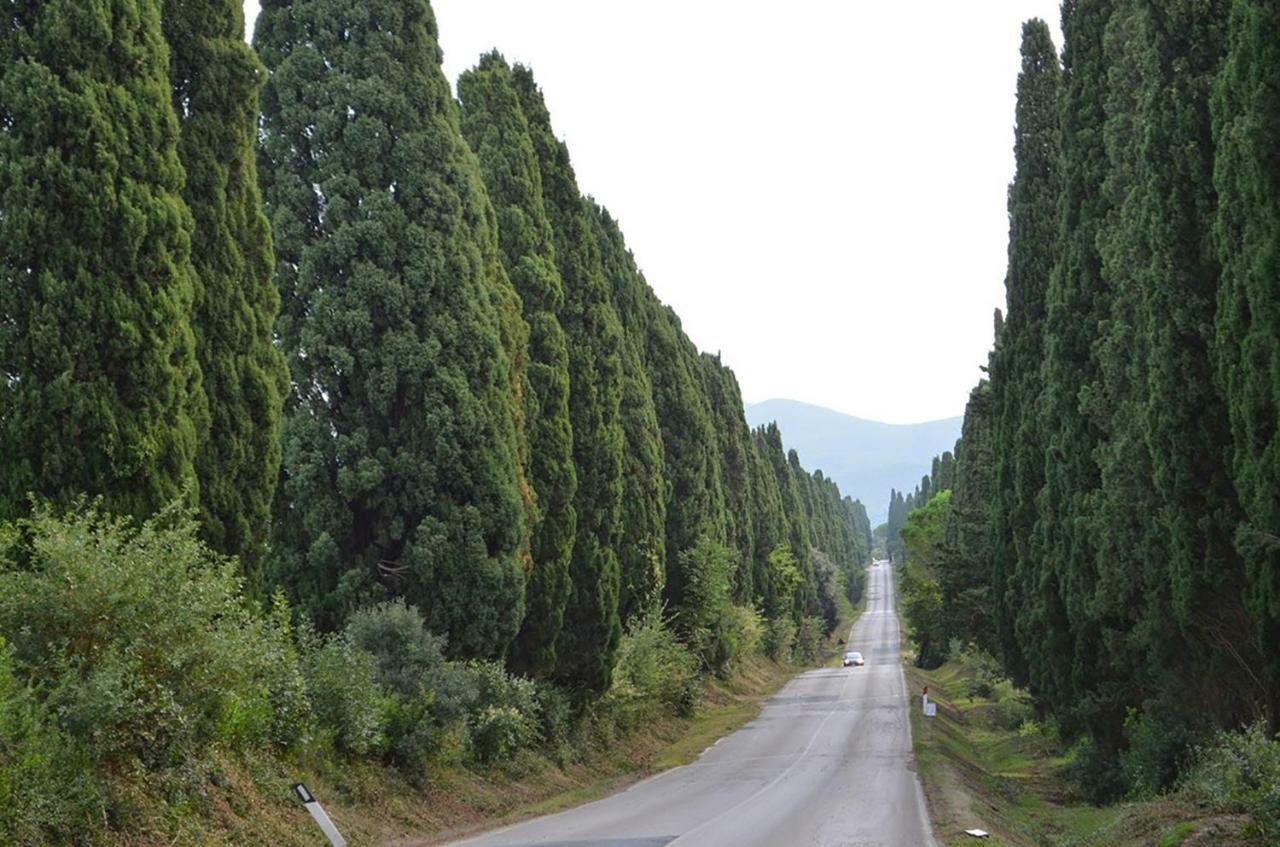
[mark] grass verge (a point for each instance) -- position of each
(1012, 783)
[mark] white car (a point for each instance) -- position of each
(853, 659)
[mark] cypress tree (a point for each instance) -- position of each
(1246, 130)
(642, 543)
(1016, 379)
(494, 125)
(401, 454)
(734, 440)
(216, 79)
(1059, 630)
(768, 526)
(1187, 417)
(964, 576)
(586, 645)
(695, 501)
(102, 391)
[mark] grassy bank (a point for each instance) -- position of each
(983, 766)
(249, 800)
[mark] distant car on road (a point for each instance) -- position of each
(853, 659)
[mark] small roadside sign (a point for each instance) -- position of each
(318, 814)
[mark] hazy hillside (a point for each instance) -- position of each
(865, 458)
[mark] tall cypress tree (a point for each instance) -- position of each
(1059, 631)
(1016, 380)
(102, 387)
(586, 645)
(401, 456)
(494, 125)
(734, 440)
(216, 79)
(642, 543)
(695, 500)
(966, 578)
(1187, 418)
(1246, 130)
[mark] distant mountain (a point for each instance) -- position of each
(865, 458)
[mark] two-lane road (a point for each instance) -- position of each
(827, 762)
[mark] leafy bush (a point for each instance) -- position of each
(780, 638)
(986, 672)
(505, 717)
(46, 791)
(1240, 772)
(1160, 739)
(809, 637)
(408, 656)
(1096, 772)
(1013, 705)
(654, 670)
(497, 732)
(351, 709)
(144, 646)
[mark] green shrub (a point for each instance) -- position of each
(140, 637)
(47, 793)
(408, 655)
(1013, 705)
(780, 638)
(1096, 772)
(1160, 741)
(292, 717)
(505, 716)
(1240, 772)
(809, 637)
(498, 732)
(653, 671)
(984, 669)
(352, 711)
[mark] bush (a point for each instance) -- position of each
(985, 671)
(144, 646)
(809, 637)
(1240, 772)
(46, 793)
(505, 717)
(654, 671)
(351, 709)
(1160, 739)
(1096, 772)
(408, 656)
(1013, 705)
(780, 638)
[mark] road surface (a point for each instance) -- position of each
(827, 762)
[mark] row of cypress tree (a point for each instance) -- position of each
(1117, 495)
(376, 335)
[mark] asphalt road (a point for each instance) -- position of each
(827, 762)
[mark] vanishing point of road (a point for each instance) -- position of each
(826, 764)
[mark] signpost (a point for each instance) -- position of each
(319, 815)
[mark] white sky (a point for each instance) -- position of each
(816, 186)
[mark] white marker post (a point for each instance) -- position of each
(318, 814)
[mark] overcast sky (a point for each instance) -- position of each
(817, 187)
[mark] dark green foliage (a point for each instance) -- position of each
(769, 527)
(924, 538)
(494, 124)
(102, 387)
(1246, 129)
(585, 645)
(401, 454)
(216, 79)
(1058, 629)
(1015, 430)
(695, 500)
(964, 572)
(642, 547)
(734, 440)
